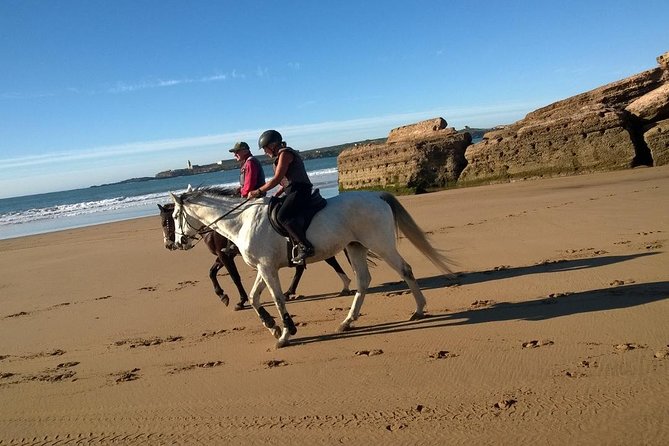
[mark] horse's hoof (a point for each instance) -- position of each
(282, 343)
(345, 292)
(239, 306)
(225, 299)
(417, 316)
(276, 332)
(343, 328)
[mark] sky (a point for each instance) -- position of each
(93, 92)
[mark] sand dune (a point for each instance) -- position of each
(554, 330)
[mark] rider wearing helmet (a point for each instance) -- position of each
(290, 173)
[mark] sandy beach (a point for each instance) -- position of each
(555, 331)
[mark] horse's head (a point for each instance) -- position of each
(167, 222)
(186, 228)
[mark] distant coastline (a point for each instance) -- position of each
(323, 152)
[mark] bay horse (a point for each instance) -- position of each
(225, 253)
(359, 222)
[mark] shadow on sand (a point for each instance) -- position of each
(617, 297)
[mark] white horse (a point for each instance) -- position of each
(355, 221)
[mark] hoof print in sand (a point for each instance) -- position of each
(628, 346)
(662, 354)
(504, 404)
(5, 375)
(19, 314)
(274, 363)
(148, 288)
(103, 298)
(133, 343)
(443, 354)
(395, 427)
(369, 352)
(184, 284)
(208, 334)
(621, 282)
(396, 293)
(482, 303)
(535, 344)
(128, 375)
(202, 365)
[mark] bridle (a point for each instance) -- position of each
(203, 229)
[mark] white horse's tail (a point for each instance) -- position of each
(405, 223)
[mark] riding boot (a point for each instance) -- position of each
(303, 247)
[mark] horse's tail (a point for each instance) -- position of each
(405, 223)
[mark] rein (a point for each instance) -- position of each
(208, 228)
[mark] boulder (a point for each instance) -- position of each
(652, 106)
(417, 159)
(656, 137)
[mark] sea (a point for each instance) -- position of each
(55, 211)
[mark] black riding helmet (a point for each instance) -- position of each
(268, 137)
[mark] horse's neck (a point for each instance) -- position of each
(229, 226)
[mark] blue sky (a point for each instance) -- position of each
(94, 91)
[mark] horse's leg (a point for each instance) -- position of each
(358, 257)
(213, 271)
(229, 261)
(292, 289)
(345, 291)
(395, 260)
(271, 278)
(265, 317)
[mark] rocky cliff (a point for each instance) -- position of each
(415, 158)
(619, 125)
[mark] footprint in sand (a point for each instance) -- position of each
(128, 375)
(5, 375)
(148, 288)
(2, 357)
(102, 297)
(535, 343)
(56, 352)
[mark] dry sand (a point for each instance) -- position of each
(556, 331)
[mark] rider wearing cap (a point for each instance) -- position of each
(251, 175)
(289, 171)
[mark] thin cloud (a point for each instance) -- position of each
(122, 87)
(384, 123)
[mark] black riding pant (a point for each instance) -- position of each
(296, 201)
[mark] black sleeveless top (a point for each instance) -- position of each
(296, 173)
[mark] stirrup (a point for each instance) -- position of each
(300, 253)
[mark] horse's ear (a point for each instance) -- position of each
(162, 209)
(190, 188)
(175, 198)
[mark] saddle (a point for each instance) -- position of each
(316, 204)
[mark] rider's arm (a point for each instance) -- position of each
(285, 158)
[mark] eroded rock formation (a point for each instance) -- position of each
(619, 125)
(414, 158)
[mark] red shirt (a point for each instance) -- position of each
(250, 172)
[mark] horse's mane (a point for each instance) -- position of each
(211, 191)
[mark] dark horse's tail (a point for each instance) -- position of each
(406, 224)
